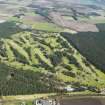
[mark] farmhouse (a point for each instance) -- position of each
(24, 26)
(103, 91)
(46, 102)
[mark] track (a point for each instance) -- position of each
(86, 101)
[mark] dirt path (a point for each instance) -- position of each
(84, 101)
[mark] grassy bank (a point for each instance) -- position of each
(84, 94)
(26, 97)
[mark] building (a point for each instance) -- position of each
(69, 88)
(102, 91)
(24, 26)
(46, 102)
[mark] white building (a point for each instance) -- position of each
(69, 88)
(46, 102)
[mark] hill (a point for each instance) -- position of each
(90, 45)
(42, 62)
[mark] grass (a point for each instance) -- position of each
(52, 42)
(34, 61)
(93, 19)
(18, 49)
(46, 27)
(9, 52)
(31, 14)
(68, 17)
(65, 78)
(81, 93)
(97, 20)
(70, 31)
(43, 58)
(27, 97)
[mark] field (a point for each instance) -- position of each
(93, 19)
(76, 25)
(44, 26)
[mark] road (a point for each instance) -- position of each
(83, 101)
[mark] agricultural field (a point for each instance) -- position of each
(44, 26)
(93, 19)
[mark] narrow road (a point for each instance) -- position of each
(84, 101)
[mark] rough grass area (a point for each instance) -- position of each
(43, 62)
(46, 27)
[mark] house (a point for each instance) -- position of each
(42, 102)
(24, 26)
(102, 91)
(46, 102)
